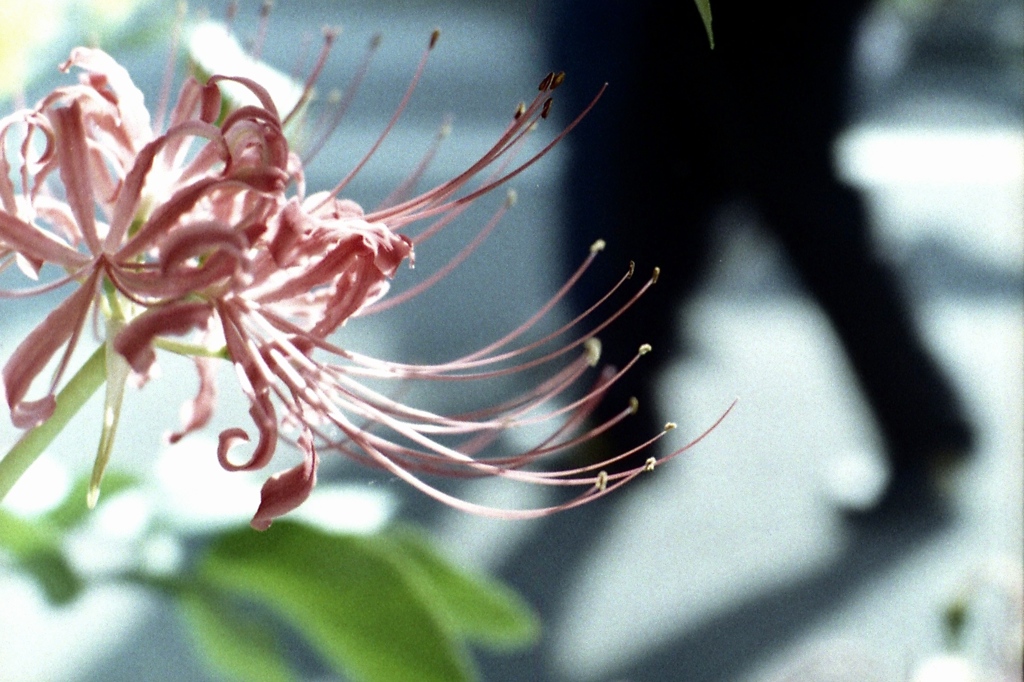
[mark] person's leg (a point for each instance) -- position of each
(636, 178)
(825, 231)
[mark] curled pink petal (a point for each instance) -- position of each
(228, 439)
(131, 193)
(196, 101)
(166, 215)
(60, 327)
(195, 239)
(196, 413)
(36, 244)
(134, 342)
(292, 226)
(265, 418)
(129, 99)
(288, 489)
(266, 101)
(75, 172)
(29, 414)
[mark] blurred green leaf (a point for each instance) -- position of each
(36, 549)
(704, 6)
(347, 595)
(476, 607)
(235, 645)
(73, 510)
(36, 545)
(23, 536)
(51, 570)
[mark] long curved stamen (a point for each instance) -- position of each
(420, 68)
(172, 58)
(330, 35)
(448, 267)
(338, 111)
(403, 189)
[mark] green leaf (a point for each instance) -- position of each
(22, 536)
(476, 607)
(704, 7)
(73, 509)
(347, 595)
(36, 550)
(236, 646)
(60, 583)
(36, 545)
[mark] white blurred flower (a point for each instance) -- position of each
(215, 49)
(346, 509)
(945, 668)
(197, 495)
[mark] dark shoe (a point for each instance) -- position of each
(919, 491)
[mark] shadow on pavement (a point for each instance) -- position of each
(728, 644)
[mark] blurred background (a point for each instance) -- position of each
(738, 561)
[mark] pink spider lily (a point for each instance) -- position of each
(204, 231)
(112, 204)
(128, 199)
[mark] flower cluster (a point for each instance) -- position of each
(201, 235)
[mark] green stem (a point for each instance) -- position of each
(190, 349)
(70, 400)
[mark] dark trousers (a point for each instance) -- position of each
(682, 129)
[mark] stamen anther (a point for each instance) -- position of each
(592, 346)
